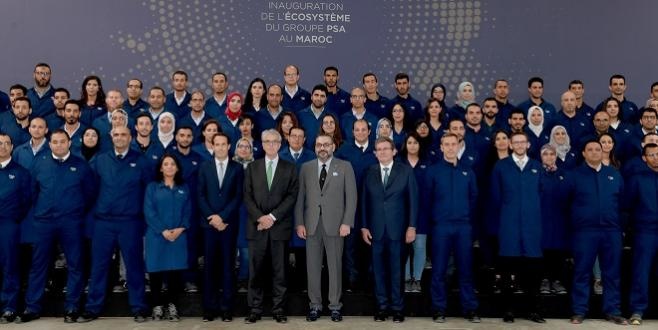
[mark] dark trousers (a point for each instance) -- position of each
(452, 239)
(174, 280)
(219, 270)
(586, 246)
(527, 273)
(261, 252)
(388, 259)
(129, 236)
(69, 233)
(9, 254)
(645, 248)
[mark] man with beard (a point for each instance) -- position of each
(41, 94)
(216, 105)
(413, 107)
(72, 125)
(134, 104)
(26, 153)
(490, 111)
(143, 142)
(178, 101)
(338, 100)
(196, 116)
(501, 93)
(156, 103)
(311, 118)
(56, 119)
(16, 127)
(376, 104)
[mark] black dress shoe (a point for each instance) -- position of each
(616, 319)
(252, 318)
(336, 316)
(140, 317)
(26, 317)
(577, 319)
(439, 317)
(7, 317)
(208, 318)
(535, 317)
(508, 317)
(280, 318)
(86, 317)
(70, 317)
(227, 316)
(398, 317)
(313, 315)
(380, 316)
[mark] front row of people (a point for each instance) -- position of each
(61, 190)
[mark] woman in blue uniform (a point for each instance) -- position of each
(167, 208)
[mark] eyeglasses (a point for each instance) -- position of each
(244, 146)
(43, 74)
(271, 142)
(358, 96)
(323, 145)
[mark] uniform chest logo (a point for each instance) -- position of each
(302, 98)
(342, 101)
(11, 177)
(470, 158)
(423, 166)
(534, 171)
(154, 157)
(182, 192)
(611, 178)
(133, 164)
(73, 169)
(383, 106)
(194, 162)
(465, 173)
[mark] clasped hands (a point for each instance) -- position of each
(172, 234)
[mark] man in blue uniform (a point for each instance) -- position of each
(536, 93)
(389, 206)
(15, 201)
(403, 97)
(16, 126)
(593, 191)
(577, 87)
(268, 119)
(452, 192)
(515, 188)
(216, 105)
(359, 111)
(143, 142)
(376, 104)
(295, 97)
(629, 112)
(178, 101)
(37, 146)
(501, 95)
(338, 100)
(576, 123)
(122, 175)
(196, 116)
(56, 119)
(72, 125)
(63, 194)
(311, 118)
(156, 103)
(134, 104)
(41, 94)
(642, 197)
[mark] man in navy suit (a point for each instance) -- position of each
(219, 192)
(389, 203)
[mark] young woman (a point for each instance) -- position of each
(255, 99)
(465, 96)
(166, 129)
(90, 143)
(246, 125)
(244, 156)
(331, 127)
(435, 119)
(167, 208)
(566, 158)
(536, 131)
(410, 154)
(92, 100)
(400, 124)
(422, 128)
(438, 92)
(286, 121)
(608, 146)
(208, 130)
(613, 107)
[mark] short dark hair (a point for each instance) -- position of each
(499, 80)
(141, 84)
(24, 99)
(178, 177)
(474, 104)
(646, 148)
(616, 76)
(319, 87)
(19, 86)
(368, 74)
(650, 110)
(61, 131)
(220, 73)
(181, 72)
(157, 88)
(330, 68)
(575, 82)
(488, 99)
(589, 142)
(516, 111)
(143, 115)
(401, 76)
(62, 90)
(71, 101)
(220, 133)
(644, 138)
(42, 64)
(655, 83)
(185, 127)
(534, 80)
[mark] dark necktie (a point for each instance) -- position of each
(296, 156)
(361, 147)
(323, 175)
(120, 156)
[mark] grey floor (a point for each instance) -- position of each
(354, 322)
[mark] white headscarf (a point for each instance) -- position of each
(460, 99)
(562, 149)
(166, 137)
(536, 129)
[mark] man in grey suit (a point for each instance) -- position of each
(324, 215)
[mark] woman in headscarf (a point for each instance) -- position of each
(243, 155)
(536, 130)
(229, 122)
(566, 158)
(166, 129)
(384, 128)
(465, 96)
(91, 143)
(554, 223)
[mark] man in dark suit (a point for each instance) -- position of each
(219, 192)
(324, 215)
(270, 192)
(389, 202)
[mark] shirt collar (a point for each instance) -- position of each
(5, 163)
(63, 158)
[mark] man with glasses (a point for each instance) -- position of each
(270, 191)
(295, 98)
(324, 215)
(389, 203)
(41, 94)
(134, 104)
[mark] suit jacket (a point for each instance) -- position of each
(393, 208)
(279, 200)
(304, 157)
(225, 201)
(335, 202)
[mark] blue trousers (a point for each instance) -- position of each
(129, 236)
(69, 234)
(586, 246)
(219, 269)
(387, 260)
(458, 240)
(9, 252)
(645, 248)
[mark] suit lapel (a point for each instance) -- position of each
(394, 173)
(214, 173)
(330, 171)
